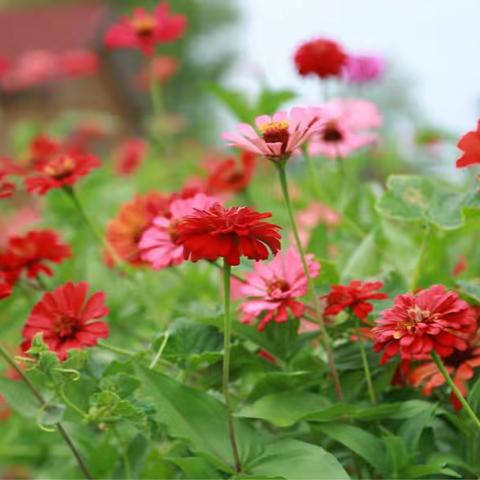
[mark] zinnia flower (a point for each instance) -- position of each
(159, 243)
(229, 176)
(360, 69)
(278, 136)
(346, 128)
(228, 233)
(5, 288)
(143, 30)
(7, 189)
(354, 296)
(77, 63)
(129, 156)
(460, 365)
(469, 144)
(64, 169)
(320, 57)
(32, 252)
(431, 320)
(67, 319)
(273, 288)
(125, 231)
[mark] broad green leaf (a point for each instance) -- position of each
(19, 397)
(412, 429)
(471, 289)
(285, 408)
(130, 465)
(196, 467)
(365, 259)
(295, 460)
(363, 443)
(397, 456)
(270, 101)
(236, 101)
(196, 417)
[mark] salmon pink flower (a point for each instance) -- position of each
(129, 156)
(125, 231)
(320, 57)
(33, 252)
(279, 136)
(63, 170)
(67, 319)
(273, 288)
(159, 243)
(360, 69)
(229, 233)
(144, 30)
(355, 296)
(346, 128)
(418, 323)
(230, 176)
(469, 144)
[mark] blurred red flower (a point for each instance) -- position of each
(125, 231)
(417, 324)
(7, 189)
(230, 176)
(460, 365)
(143, 30)
(129, 156)
(228, 233)
(77, 63)
(32, 252)
(161, 68)
(62, 170)
(353, 296)
(469, 144)
(67, 319)
(5, 288)
(321, 57)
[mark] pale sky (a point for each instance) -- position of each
(434, 42)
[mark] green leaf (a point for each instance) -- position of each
(397, 456)
(197, 418)
(196, 468)
(365, 260)
(131, 464)
(285, 408)
(470, 289)
(270, 101)
(295, 460)
(363, 443)
(234, 100)
(19, 397)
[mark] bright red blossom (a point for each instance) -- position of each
(143, 30)
(228, 233)
(321, 57)
(469, 144)
(62, 170)
(354, 296)
(5, 289)
(32, 252)
(7, 189)
(431, 320)
(67, 319)
(129, 156)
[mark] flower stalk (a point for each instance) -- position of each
(226, 365)
(316, 305)
(366, 366)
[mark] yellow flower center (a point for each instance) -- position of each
(60, 167)
(144, 25)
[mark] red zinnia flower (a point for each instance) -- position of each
(31, 252)
(67, 319)
(5, 288)
(144, 30)
(62, 170)
(125, 231)
(229, 176)
(7, 189)
(321, 57)
(417, 324)
(129, 156)
(460, 365)
(469, 144)
(228, 233)
(355, 296)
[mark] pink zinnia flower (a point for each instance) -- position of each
(159, 243)
(144, 30)
(417, 324)
(273, 288)
(361, 69)
(279, 136)
(346, 128)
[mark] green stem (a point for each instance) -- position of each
(83, 467)
(456, 391)
(318, 311)
(160, 350)
(115, 349)
(226, 365)
(155, 92)
(366, 366)
(421, 254)
(69, 403)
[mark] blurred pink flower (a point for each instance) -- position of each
(274, 287)
(279, 136)
(361, 69)
(346, 128)
(129, 156)
(312, 216)
(76, 63)
(159, 244)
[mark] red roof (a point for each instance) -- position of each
(56, 28)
